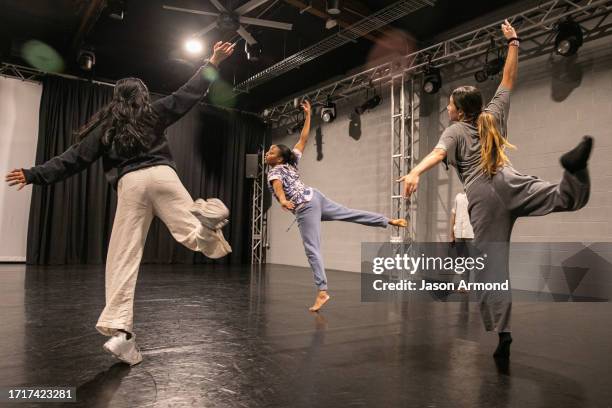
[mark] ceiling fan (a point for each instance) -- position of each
(232, 20)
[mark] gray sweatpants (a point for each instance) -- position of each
(494, 206)
(320, 208)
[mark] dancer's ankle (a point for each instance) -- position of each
(128, 335)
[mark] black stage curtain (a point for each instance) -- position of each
(70, 222)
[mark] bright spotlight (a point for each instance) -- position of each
(194, 46)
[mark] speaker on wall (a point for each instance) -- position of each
(250, 167)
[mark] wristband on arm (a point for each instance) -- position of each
(514, 41)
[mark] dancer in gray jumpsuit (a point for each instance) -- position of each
(498, 194)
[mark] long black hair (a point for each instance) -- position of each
(127, 121)
(287, 154)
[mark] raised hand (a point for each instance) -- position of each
(16, 177)
(221, 51)
(508, 30)
(306, 107)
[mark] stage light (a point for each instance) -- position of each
(86, 58)
(495, 67)
(328, 111)
(569, 38)
(253, 51)
(369, 104)
(194, 46)
(481, 76)
(295, 128)
(115, 9)
(331, 23)
(333, 7)
(432, 82)
(490, 69)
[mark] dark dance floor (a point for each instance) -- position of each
(223, 337)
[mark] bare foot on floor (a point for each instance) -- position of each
(399, 222)
(321, 299)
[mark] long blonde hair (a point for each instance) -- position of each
(468, 100)
(492, 144)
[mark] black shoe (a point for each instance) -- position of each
(503, 348)
(576, 159)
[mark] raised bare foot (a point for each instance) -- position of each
(399, 222)
(321, 299)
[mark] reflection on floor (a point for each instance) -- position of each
(232, 337)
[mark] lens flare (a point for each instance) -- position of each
(222, 94)
(42, 56)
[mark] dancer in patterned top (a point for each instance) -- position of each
(310, 206)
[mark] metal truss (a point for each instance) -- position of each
(258, 214)
(20, 72)
(404, 136)
(368, 24)
(35, 75)
(536, 27)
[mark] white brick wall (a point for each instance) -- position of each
(353, 173)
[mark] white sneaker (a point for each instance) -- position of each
(212, 213)
(123, 348)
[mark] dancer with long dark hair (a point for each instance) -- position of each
(475, 145)
(129, 135)
(310, 206)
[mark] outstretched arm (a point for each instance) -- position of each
(301, 144)
(78, 157)
(172, 107)
(411, 180)
(511, 66)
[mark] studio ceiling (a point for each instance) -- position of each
(148, 42)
